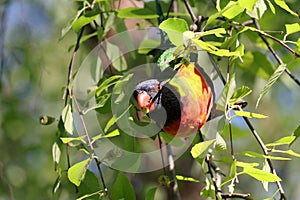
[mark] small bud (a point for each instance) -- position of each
(46, 120)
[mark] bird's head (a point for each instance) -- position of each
(147, 95)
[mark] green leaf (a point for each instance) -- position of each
(232, 10)
(174, 27)
(244, 164)
(66, 140)
(89, 187)
(248, 4)
(67, 118)
(69, 25)
(215, 50)
(266, 168)
(283, 5)
(292, 28)
(227, 92)
(217, 32)
(258, 11)
(289, 152)
(150, 195)
(84, 20)
(296, 133)
(140, 13)
(270, 82)
(113, 133)
(282, 141)
(184, 178)
(239, 94)
(261, 175)
(122, 188)
(201, 147)
(77, 172)
(271, 6)
(249, 114)
(232, 173)
(56, 152)
(220, 143)
(258, 155)
(257, 63)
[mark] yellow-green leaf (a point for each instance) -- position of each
(292, 28)
(250, 114)
(77, 172)
(274, 77)
(261, 175)
(201, 147)
(282, 141)
(67, 118)
(283, 5)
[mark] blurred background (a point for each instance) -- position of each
(34, 63)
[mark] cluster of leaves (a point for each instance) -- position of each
(222, 36)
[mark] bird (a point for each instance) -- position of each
(180, 105)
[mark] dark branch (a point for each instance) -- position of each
(262, 36)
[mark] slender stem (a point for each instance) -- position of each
(89, 141)
(173, 181)
(213, 178)
(161, 154)
(191, 12)
(235, 195)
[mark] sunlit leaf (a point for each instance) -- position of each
(239, 94)
(84, 20)
(201, 147)
(244, 164)
(258, 155)
(289, 152)
(248, 4)
(56, 152)
(278, 72)
(77, 172)
(266, 168)
(249, 114)
(296, 133)
(122, 188)
(291, 28)
(215, 50)
(271, 6)
(282, 141)
(227, 92)
(283, 5)
(258, 11)
(113, 133)
(218, 32)
(70, 139)
(67, 118)
(232, 173)
(232, 10)
(174, 27)
(184, 178)
(261, 175)
(220, 143)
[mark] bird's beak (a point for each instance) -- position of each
(144, 102)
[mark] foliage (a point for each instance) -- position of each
(249, 58)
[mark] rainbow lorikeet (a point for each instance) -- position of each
(180, 105)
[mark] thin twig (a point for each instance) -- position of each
(89, 141)
(262, 36)
(266, 153)
(215, 179)
(172, 175)
(5, 182)
(235, 195)
(192, 14)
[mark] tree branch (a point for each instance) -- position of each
(262, 36)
